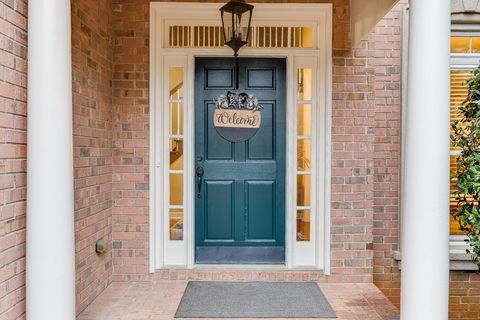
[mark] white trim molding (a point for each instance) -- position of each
(165, 253)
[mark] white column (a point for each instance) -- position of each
(425, 220)
(50, 221)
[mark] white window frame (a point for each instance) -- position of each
(165, 253)
(459, 260)
(302, 253)
(462, 61)
(176, 248)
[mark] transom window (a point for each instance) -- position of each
(260, 37)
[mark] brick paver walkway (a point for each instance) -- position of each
(159, 300)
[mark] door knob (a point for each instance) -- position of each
(199, 172)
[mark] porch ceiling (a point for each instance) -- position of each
(365, 14)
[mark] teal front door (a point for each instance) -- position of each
(240, 203)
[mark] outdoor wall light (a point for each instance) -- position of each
(100, 246)
(236, 19)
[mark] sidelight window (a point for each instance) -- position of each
(176, 138)
(304, 153)
(309, 162)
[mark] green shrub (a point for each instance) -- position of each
(466, 136)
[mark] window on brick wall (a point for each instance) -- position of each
(465, 50)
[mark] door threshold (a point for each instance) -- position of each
(280, 267)
(240, 267)
(254, 267)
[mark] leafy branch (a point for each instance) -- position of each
(466, 137)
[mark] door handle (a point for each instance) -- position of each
(199, 172)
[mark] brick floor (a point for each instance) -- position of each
(159, 300)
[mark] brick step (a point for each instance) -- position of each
(240, 274)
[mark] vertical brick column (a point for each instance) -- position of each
(131, 140)
(92, 62)
(387, 163)
(13, 153)
(352, 158)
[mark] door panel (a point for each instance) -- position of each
(240, 215)
(219, 210)
(261, 210)
(219, 78)
(262, 145)
(260, 78)
(217, 148)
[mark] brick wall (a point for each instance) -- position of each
(352, 157)
(366, 153)
(131, 143)
(92, 133)
(13, 140)
(387, 162)
(464, 295)
(110, 81)
(352, 185)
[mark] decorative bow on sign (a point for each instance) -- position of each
(238, 101)
(237, 117)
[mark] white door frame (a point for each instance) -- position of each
(319, 59)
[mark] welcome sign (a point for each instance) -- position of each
(233, 118)
(237, 118)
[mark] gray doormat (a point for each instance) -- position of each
(206, 299)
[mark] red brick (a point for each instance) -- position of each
(92, 62)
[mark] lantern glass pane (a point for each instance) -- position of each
(243, 21)
(227, 24)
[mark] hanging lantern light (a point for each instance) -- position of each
(236, 19)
